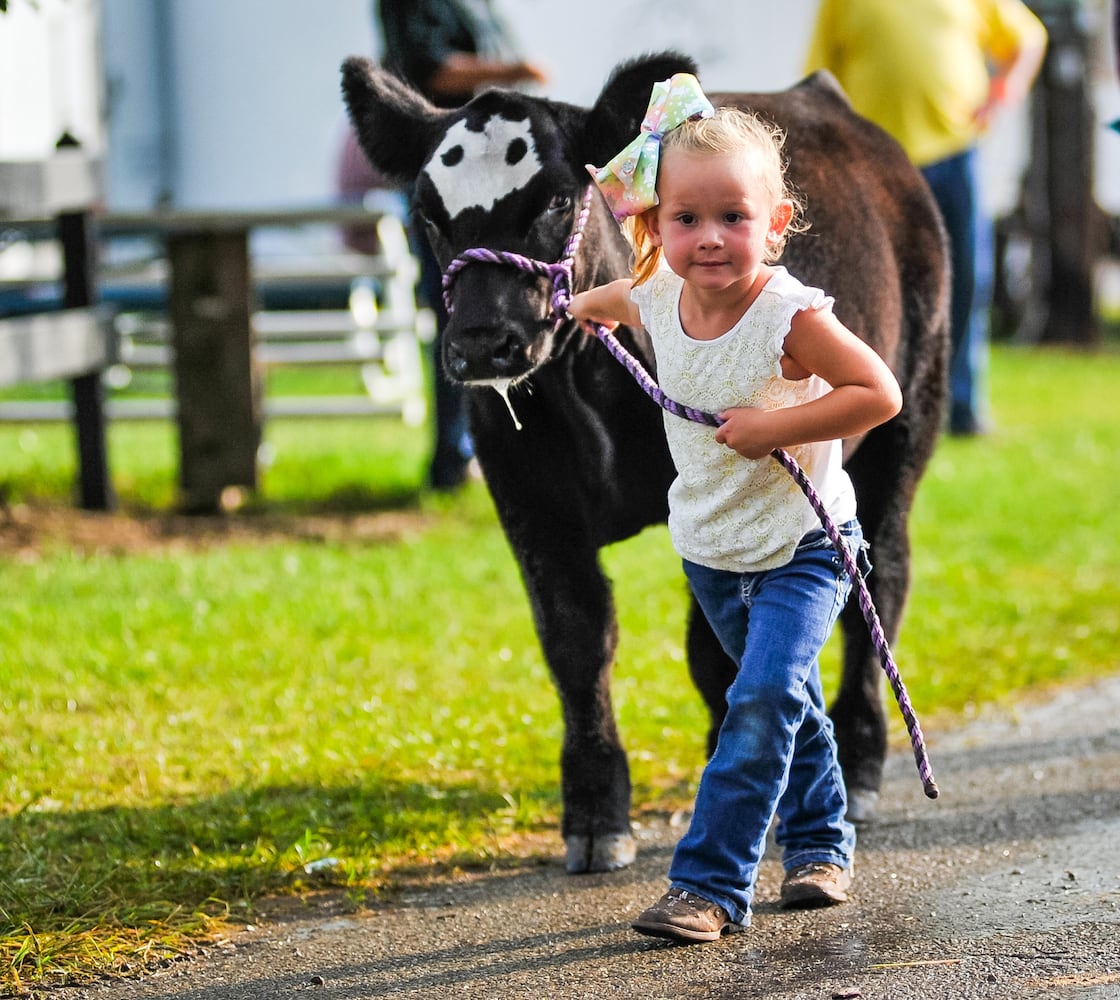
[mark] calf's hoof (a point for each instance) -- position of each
(606, 853)
(862, 803)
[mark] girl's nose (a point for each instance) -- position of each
(710, 236)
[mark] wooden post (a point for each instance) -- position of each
(95, 489)
(1067, 228)
(217, 383)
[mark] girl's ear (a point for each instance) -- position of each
(780, 218)
(653, 225)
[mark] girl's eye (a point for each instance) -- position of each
(731, 218)
(686, 219)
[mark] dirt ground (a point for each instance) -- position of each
(1007, 886)
(25, 531)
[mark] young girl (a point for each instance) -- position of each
(736, 335)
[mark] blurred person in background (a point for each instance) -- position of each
(448, 50)
(934, 73)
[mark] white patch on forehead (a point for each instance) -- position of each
(476, 169)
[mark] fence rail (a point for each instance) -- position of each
(192, 311)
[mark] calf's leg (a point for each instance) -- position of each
(884, 474)
(575, 619)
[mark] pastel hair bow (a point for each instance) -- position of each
(629, 180)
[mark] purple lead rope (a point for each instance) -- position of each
(867, 606)
(560, 274)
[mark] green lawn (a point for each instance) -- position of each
(343, 680)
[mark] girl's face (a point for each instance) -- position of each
(715, 218)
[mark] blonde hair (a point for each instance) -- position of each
(729, 130)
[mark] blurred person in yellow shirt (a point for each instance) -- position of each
(933, 73)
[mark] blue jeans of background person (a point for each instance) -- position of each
(955, 185)
(452, 448)
(776, 752)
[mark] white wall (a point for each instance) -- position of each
(255, 83)
(738, 45)
(50, 77)
(257, 97)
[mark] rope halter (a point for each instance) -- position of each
(560, 273)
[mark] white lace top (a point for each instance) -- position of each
(725, 511)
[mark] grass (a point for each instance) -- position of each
(1016, 583)
(342, 684)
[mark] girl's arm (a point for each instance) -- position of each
(864, 392)
(609, 305)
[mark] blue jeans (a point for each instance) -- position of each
(955, 186)
(453, 447)
(776, 754)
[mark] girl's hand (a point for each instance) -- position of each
(747, 430)
(608, 305)
(582, 308)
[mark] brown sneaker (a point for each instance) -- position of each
(815, 884)
(680, 915)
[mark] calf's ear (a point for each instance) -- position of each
(618, 112)
(396, 126)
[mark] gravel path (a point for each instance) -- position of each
(1007, 886)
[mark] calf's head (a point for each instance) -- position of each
(505, 172)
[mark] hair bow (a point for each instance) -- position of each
(629, 180)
